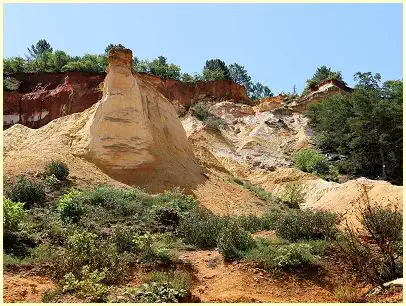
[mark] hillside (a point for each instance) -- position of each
(172, 177)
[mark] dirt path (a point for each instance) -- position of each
(25, 287)
(239, 282)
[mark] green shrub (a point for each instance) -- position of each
(179, 280)
(13, 215)
(214, 123)
(70, 207)
(18, 243)
(298, 225)
(87, 285)
(87, 249)
(271, 218)
(52, 182)
(154, 248)
(200, 227)
(57, 168)
(123, 239)
(308, 160)
(156, 293)
(293, 195)
(27, 192)
(175, 199)
(251, 223)
(162, 287)
(262, 194)
(286, 256)
(200, 111)
(233, 241)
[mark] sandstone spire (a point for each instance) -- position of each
(135, 135)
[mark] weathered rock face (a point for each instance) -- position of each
(135, 135)
(43, 97)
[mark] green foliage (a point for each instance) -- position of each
(314, 162)
(70, 207)
(41, 47)
(175, 199)
(293, 195)
(376, 251)
(11, 83)
(365, 126)
(87, 285)
(156, 293)
(322, 74)
(13, 65)
(201, 111)
(258, 91)
(301, 225)
(215, 69)
(13, 215)
(239, 75)
(57, 168)
(154, 248)
(162, 287)
(186, 77)
(113, 46)
(200, 227)
(26, 191)
(286, 256)
(86, 248)
(233, 241)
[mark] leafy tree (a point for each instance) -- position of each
(161, 68)
(186, 77)
(40, 48)
(365, 126)
(216, 69)
(258, 91)
(113, 46)
(13, 65)
(322, 74)
(60, 59)
(239, 75)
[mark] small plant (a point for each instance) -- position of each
(153, 248)
(233, 241)
(156, 293)
(179, 280)
(52, 181)
(286, 256)
(89, 284)
(302, 225)
(175, 199)
(27, 192)
(293, 195)
(200, 111)
(316, 163)
(13, 215)
(70, 207)
(57, 168)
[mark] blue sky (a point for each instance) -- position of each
(280, 45)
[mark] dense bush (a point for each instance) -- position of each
(293, 195)
(200, 227)
(70, 207)
(26, 191)
(294, 255)
(13, 215)
(375, 250)
(87, 249)
(156, 293)
(154, 248)
(316, 163)
(57, 168)
(88, 284)
(233, 241)
(302, 225)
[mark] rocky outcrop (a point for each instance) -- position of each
(43, 97)
(132, 135)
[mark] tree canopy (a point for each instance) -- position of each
(44, 59)
(323, 73)
(366, 126)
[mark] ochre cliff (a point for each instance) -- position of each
(42, 97)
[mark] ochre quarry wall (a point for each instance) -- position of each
(43, 97)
